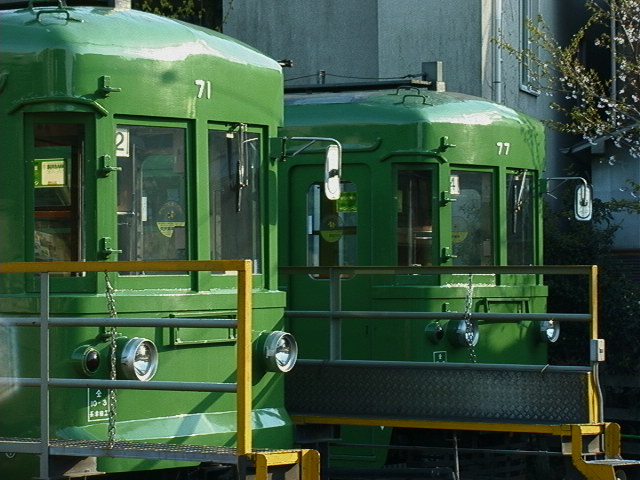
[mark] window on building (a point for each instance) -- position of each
(530, 72)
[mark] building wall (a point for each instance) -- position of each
(340, 37)
(363, 39)
(610, 171)
(411, 32)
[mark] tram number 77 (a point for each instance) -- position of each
(503, 148)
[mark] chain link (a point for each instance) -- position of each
(469, 324)
(112, 333)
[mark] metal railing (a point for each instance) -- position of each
(336, 275)
(243, 323)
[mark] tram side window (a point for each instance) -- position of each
(415, 218)
(151, 193)
(472, 230)
(57, 173)
(519, 219)
(234, 180)
(332, 227)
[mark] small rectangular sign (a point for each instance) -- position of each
(98, 404)
(50, 172)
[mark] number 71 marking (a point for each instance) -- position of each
(204, 88)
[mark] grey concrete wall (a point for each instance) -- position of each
(337, 36)
(416, 31)
(387, 39)
(365, 39)
(610, 171)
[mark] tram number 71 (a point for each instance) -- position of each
(204, 88)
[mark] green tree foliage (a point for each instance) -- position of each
(628, 206)
(172, 9)
(600, 100)
(199, 12)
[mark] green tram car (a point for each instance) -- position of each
(126, 138)
(427, 179)
(439, 360)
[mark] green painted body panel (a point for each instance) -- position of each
(383, 132)
(99, 68)
(391, 125)
(153, 60)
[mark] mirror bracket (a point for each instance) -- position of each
(332, 161)
(583, 200)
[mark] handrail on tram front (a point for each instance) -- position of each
(242, 387)
(337, 274)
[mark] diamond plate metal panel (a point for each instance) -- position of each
(433, 392)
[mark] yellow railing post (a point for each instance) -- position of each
(593, 300)
(244, 365)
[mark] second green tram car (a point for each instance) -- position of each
(427, 179)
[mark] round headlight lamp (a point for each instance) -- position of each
(549, 331)
(87, 359)
(434, 332)
(280, 352)
(139, 359)
(467, 333)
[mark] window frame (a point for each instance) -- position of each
(494, 176)
(435, 207)
(262, 137)
(529, 11)
(179, 280)
(87, 224)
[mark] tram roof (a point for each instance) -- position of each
(395, 102)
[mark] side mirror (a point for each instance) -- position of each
(332, 161)
(332, 168)
(583, 203)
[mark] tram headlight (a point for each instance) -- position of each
(549, 331)
(434, 332)
(467, 333)
(86, 359)
(280, 351)
(139, 359)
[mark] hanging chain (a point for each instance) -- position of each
(470, 331)
(112, 334)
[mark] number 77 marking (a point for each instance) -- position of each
(503, 148)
